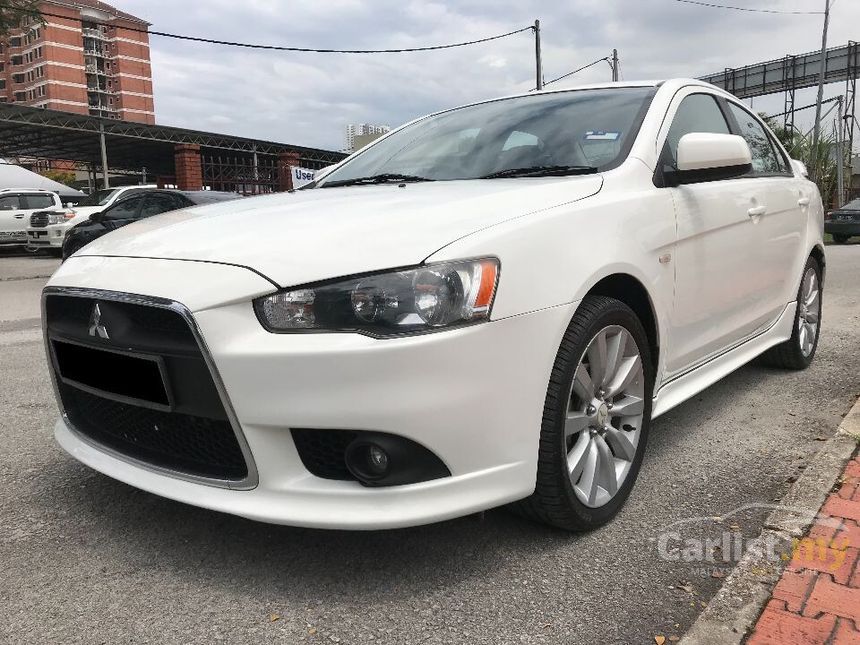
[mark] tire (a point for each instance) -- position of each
(840, 239)
(797, 352)
(566, 500)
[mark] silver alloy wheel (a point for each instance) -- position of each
(604, 415)
(809, 311)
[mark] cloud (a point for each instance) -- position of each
(307, 99)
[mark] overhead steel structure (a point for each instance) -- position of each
(27, 132)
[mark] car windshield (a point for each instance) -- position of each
(550, 134)
(98, 198)
(853, 205)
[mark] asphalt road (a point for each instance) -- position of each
(87, 559)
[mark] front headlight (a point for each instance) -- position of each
(56, 218)
(429, 297)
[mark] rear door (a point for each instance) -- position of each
(123, 212)
(13, 223)
(779, 228)
(714, 253)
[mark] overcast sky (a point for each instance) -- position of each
(307, 99)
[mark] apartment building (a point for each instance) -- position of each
(358, 135)
(87, 58)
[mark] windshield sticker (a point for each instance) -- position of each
(600, 135)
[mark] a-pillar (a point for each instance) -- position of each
(189, 168)
(285, 176)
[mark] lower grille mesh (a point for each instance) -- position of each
(322, 451)
(194, 445)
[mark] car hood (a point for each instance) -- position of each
(311, 235)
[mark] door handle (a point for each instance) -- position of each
(803, 202)
(19, 217)
(756, 211)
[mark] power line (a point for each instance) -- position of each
(228, 43)
(599, 60)
(750, 9)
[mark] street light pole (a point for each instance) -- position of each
(615, 65)
(538, 64)
(816, 133)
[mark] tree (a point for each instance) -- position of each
(14, 12)
(62, 176)
(821, 162)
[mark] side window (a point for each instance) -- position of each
(39, 202)
(9, 203)
(764, 159)
(158, 203)
(697, 113)
(125, 209)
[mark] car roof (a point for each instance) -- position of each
(27, 190)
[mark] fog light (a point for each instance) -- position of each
(377, 459)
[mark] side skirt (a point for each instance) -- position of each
(680, 389)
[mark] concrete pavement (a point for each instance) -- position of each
(87, 559)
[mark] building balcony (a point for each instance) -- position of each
(93, 69)
(94, 52)
(93, 33)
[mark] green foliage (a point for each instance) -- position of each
(14, 12)
(61, 176)
(820, 161)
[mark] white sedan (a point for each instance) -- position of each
(488, 305)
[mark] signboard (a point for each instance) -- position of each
(301, 176)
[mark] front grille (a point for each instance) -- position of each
(39, 220)
(194, 445)
(131, 377)
(322, 451)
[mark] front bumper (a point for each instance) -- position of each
(474, 396)
(51, 236)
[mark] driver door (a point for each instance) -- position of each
(715, 253)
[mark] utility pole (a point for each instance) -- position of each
(614, 65)
(816, 133)
(538, 64)
(840, 159)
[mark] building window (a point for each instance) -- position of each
(17, 78)
(15, 42)
(20, 96)
(2, 83)
(17, 60)
(41, 90)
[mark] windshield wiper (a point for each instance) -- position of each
(542, 171)
(375, 179)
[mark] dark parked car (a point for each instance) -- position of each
(144, 204)
(843, 222)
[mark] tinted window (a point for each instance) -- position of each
(576, 128)
(9, 203)
(39, 201)
(697, 113)
(125, 209)
(97, 198)
(159, 203)
(764, 159)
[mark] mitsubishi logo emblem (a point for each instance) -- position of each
(96, 326)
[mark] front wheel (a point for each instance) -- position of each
(840, 239)
(798, 351)
(596, 418)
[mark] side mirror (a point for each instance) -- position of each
(708, 157)
(97, 218)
